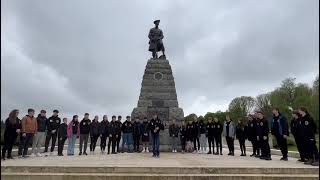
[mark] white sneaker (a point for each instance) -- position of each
(147, 150)
(195, 151)
(33, 155)
(38, 155)
(173, 150)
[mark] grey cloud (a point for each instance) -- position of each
(90, 55)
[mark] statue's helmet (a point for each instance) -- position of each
(156, 21)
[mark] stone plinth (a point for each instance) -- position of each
(158, 93)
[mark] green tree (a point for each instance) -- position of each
(190, 117)
(241, 106)
(315, 101)
(263, 103)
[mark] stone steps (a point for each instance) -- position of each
(157, 170)
(138, 176)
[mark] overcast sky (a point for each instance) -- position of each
(89, 56)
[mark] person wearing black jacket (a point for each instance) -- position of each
(252, 136)
(94, 133)
(127, 129)
(262, 136)
(217, 129)
(296, 131)
(104, 133)
(308, 139)
(241, 135)
(119, 124)
(41, 133)
(114, 130)
(174, 135)
(136, 134)
(210, 135)
(85, 124)
(145, 131)
(280, 130)
(62, 136)
(183, 138)
(53, 124)
(13, 127)
(195, 135)
(155, 127)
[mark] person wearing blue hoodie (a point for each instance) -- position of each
(279, 129)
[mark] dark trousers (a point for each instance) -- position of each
(20, 145)
(230, 142)
(183, 144)
(83, 142)
(53, 138)
(103, 141)
(136, 142)
(9, 140)
(156, 144)
(25, 142)
(300, 148)
(113, 141)
(242, 143)
(118, 142)
(211, 141)
(93, 142)
(282, 143)
(195, 141)
(265, 148)
(255, 146)
(61, 141)
(218, 143)
(311, 149)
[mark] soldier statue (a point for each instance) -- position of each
(155, 42)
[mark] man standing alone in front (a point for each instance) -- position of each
(155, 127)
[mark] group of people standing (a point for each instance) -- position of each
(194, 136)
(43, 129)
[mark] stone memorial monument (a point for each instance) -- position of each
(158, 93)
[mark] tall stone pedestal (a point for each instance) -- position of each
(158, 95)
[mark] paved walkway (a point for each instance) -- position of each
(145, 160)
